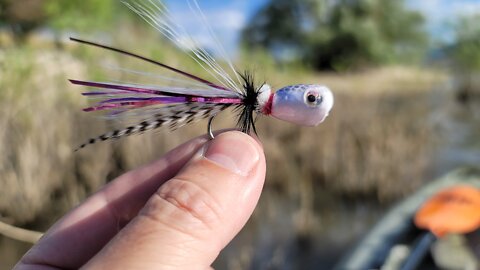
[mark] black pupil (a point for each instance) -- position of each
(311, 98)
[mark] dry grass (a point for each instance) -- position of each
(36, 120)
(373, 142)
(374, 145)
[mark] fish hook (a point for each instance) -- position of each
(209, 128)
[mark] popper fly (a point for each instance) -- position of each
(186, 101)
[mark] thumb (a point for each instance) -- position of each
(191, 217)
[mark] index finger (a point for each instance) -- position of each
(79, 235)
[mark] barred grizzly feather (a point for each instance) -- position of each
(174, 116)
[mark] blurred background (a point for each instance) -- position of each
(407, 95)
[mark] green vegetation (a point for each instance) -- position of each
(466, 49)
(22, 17)
(82, 15)
(465, 57)
(376, 145)
(341, 35)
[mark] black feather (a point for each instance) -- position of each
(246, 119)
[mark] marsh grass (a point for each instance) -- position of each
(375, 145)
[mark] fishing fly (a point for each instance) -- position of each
(186, 101)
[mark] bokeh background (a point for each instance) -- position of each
(404, 75)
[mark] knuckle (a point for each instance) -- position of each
(190, 203)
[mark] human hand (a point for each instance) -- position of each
(178, 212)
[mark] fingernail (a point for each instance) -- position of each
(234, 151)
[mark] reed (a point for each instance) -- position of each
(375, 144)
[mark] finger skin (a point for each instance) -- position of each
(191, 218)
(79, 235)
(85, 230)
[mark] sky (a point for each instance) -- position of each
(228, 17)
(440, 14)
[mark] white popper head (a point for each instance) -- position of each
(302, 104)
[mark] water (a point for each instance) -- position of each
(457, 125)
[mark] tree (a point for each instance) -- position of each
(340, 34)
(279, 25)
(78, 15)
(21, 17)
(466, 48)
(465, 54)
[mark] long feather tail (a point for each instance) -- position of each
(191, 76)
(174, 116)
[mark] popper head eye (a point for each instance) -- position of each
(302, 104)
(313, 98)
